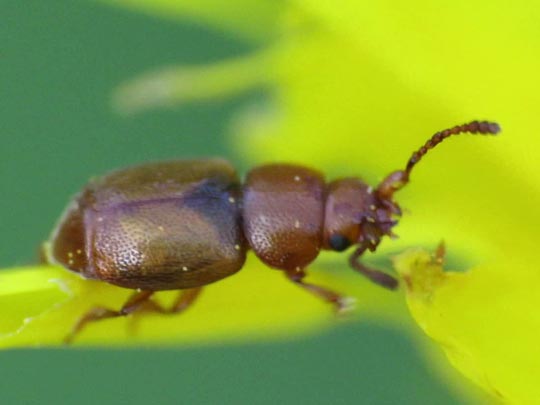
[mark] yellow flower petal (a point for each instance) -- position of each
(180, 84)
(485, 321)
(356, 90)
(25, 293)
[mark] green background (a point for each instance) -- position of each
(59, 61)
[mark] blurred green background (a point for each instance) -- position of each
(60, 61)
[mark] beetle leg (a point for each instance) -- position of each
(377, 276)
(185, 299)
(138, 299)
(340, 302)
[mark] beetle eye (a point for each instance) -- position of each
(339, 242)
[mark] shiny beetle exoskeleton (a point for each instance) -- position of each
(181, 225)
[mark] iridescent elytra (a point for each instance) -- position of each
(180, 225)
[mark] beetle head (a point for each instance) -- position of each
(355, 214)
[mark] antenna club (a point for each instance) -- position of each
(482, 127)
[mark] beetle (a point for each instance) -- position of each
(180, 225)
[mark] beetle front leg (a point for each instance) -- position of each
(377, 276)
(340, 302)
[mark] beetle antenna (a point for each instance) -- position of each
(396, 180)
(474, 127)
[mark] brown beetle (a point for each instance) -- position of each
(180, 225)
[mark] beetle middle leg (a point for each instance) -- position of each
(184, 300)
(377, 276)
(340, 302)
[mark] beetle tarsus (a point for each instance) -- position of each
(138, 301)
(135, 301)
(340, 303)
(95, 314)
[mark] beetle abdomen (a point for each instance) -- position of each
(283, 212)
(162, 226)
